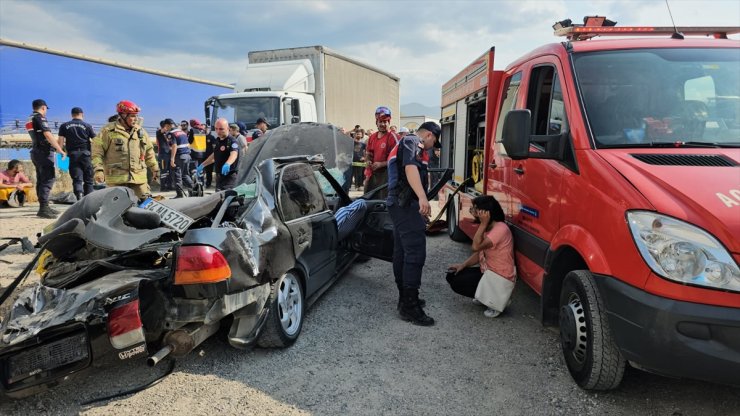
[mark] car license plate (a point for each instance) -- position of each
(169, 217)
(47, 357)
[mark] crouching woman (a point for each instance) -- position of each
(489, 274)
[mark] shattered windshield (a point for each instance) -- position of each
(643, 97)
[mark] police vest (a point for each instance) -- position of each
(180, 139)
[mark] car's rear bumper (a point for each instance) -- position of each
(42, 362)
(670, 337)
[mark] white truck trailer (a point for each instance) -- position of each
(310, 83)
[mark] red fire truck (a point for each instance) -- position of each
(617, 163)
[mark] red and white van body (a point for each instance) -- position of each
(587, 208)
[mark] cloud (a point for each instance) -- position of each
(424, 43)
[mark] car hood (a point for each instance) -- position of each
(302, 139)
(689, 184)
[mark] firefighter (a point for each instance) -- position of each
(408, 206)
(122, 151)
(379, 146)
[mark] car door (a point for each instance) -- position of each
(311, 224)
(374, 237)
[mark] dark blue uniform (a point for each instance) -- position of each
(211, 142)
(163, 153)
(42, 156)
(409, 249)
(220, 155)
(78, 136)
(181, 172)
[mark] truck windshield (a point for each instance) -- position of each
(649, 97)
(248, 110)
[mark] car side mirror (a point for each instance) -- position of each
(516, 133)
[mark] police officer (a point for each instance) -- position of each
(262, 126)
(408, 206)
(164, 154)
(76, 136)
(122, 152)
(180, 160)
(42, 156)
(225, 157)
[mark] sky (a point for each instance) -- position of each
(425, 43)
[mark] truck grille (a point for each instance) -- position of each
(47, 357)
(684, 160)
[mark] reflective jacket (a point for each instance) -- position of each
(123, 156)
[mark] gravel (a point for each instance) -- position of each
(355, 356)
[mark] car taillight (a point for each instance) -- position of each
(200, 264)
(124, 325)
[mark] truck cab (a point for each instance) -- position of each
(617, 163)
(277, 107)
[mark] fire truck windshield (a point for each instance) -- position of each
(650, 97)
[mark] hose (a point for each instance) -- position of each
(135, 389)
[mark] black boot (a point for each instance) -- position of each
(180, 192)
(422, 302)
(411, 309)
(46, 212)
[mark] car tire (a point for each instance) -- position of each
(455, 233)
(197, 190)
(286, 311)
(592, 356)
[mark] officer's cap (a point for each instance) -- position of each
(77, 110)
(38, 103)
(262, 120)
(432, 127)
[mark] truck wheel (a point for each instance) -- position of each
(592, 356)
(455, 233)
(285, 318)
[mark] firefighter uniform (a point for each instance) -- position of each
(124, 157)
(181, 171)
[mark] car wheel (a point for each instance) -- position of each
(592, 356)
(197, 190)
(285, 318)
(455, 233)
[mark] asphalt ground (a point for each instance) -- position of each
(355, 356)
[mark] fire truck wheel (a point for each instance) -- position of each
(592, 356)
(455, 233)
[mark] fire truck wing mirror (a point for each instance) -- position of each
(517, 130)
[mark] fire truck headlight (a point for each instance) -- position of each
(683, 252)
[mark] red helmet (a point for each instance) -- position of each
(127, 107)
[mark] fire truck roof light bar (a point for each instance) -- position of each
(587, 32)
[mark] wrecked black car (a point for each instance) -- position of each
(123, 279)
